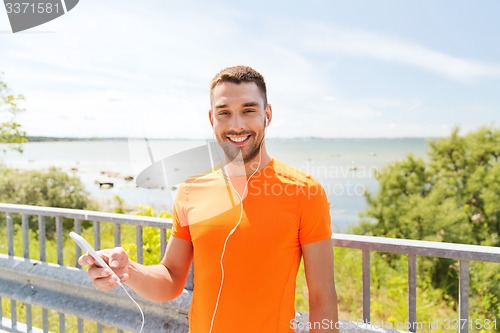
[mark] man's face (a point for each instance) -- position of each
(238, 117)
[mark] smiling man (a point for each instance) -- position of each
(240, 113)
(246, 226)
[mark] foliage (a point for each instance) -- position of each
(301, 295)
(120, 205)
(10, 105)
(49, 188)
(453, 195)
(150, 237)
(145, 210)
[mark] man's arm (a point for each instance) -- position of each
(318, 264)
(161, 283)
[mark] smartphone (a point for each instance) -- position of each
(86, 247)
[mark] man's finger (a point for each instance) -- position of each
(86, 260)
(117, 257)
(95, 272)
(105, 283)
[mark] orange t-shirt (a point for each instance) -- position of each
(284, 208)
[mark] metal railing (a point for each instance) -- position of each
(413, 248)
(54, 283)
(67, 290)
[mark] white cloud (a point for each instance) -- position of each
(337, 40)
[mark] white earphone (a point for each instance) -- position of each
(241, 197)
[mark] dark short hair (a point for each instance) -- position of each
(238, 74)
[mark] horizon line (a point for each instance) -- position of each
(40, 138)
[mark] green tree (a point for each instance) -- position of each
(450, 195)
(11, 132)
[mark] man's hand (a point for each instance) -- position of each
(117, 259)
(159, 283)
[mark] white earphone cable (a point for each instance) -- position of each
(231, 232)
(138, 306)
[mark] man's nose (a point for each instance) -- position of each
(237, 122)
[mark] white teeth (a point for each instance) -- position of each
(238, 139)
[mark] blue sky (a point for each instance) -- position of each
(333, 68)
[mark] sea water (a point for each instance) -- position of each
(346, 168)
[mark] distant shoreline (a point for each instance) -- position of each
(72, 139)
(56, 139)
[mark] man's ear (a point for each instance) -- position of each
(211, 117)
(269, 114)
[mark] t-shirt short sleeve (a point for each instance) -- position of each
(180, 227)
(314, 215)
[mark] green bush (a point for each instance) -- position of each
(48, 188)
(150, 236)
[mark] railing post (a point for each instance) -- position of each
(463, 297)
(41, 237)
(366, 285)
(13, 314)
(412, 292)
(163, 242)
(139, 243)
(25, 232)
(45, 320)
(189, 285)
(78, 251)
(62, 323)
(80, 325)
(10, 235)
(117, 234)
(97, 235)
(59, 240)
(29, 318)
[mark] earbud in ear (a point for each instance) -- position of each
(266, 122)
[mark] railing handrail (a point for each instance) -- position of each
(419, 247)
(371, 243)
(80, 214)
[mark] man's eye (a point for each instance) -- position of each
(249, 110)
(223, 113)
